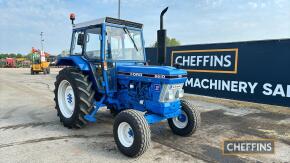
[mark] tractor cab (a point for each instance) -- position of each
(104, 44)
(110, 40)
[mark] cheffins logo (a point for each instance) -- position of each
(259, 146)
(211, 60)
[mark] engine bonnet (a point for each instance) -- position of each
(164, 74)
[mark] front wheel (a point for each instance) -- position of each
(131, 133)
(44, 71)
(187, 122)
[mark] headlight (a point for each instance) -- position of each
(171, 92)
(170, 95)
(179, 93)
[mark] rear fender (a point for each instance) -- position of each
(76, 61)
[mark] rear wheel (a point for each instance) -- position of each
(131, 133)
(187, 122)
(74, 97)
(48, 70)
(31, 71)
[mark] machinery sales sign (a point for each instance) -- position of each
(255, 71)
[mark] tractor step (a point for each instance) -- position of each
(90, 118)
(98, 105)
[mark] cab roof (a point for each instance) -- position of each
(108, 20)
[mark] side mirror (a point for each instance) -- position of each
(81, 38)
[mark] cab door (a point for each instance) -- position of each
(93, 51)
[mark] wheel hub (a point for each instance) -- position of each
(182, 118)
(69, 98)
(131, 133)
(180, 121)
(125, 134)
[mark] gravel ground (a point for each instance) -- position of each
(31, 131)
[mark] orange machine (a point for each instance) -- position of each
(39, 62)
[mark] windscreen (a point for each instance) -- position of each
(124, 44)
(35, 58)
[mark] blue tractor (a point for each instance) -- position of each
(107, 68)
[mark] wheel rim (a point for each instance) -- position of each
(180, 121)
(125, 134)
(66, 99)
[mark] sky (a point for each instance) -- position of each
(189, 21)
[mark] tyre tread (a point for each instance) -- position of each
(196, 118)
(143, 126)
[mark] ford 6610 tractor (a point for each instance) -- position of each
(107, 68)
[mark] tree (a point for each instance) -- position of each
(3, 56)
(169, 42)
(29, 56)
(19, 55)
(11, 55)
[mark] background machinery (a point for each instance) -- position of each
(108, 68)
(10, 63)
(40, 62)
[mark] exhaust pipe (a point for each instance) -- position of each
(161, 40)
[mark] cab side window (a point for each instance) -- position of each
(76, 49)
(93, 43)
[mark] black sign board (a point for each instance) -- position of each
(255, 71)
